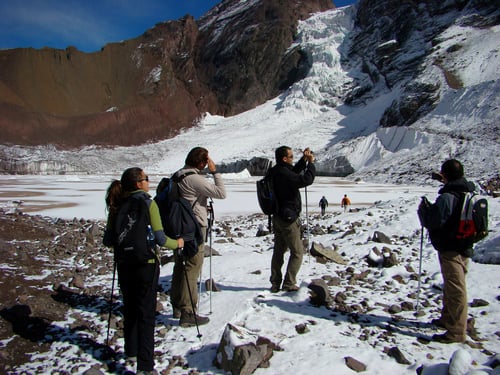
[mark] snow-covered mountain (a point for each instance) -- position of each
(387, 98)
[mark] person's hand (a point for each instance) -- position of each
(308, 155)
(211, 165)
(180, 243)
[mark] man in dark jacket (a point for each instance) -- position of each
(287, 179)
(441, 219)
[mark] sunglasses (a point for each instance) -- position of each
(144, 179)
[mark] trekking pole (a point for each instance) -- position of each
(111, 302)
(190, 294)
(420, 265)
(307, 229)
(199, 283)
(210, 224)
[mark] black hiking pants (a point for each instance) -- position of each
(138, 285)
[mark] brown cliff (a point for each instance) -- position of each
(148, 88)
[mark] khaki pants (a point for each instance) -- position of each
(179, 293)
(454, 311)
(286, 236)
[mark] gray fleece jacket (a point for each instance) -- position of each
(197, 188)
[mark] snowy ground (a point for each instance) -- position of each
(242, 272)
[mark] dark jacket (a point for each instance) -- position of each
(287, 180)
(441, 218)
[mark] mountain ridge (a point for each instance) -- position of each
(446, 107)
(148, 88)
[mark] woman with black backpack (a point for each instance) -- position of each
(133, 217)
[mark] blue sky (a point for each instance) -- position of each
(90, 24)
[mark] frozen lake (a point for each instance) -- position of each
(82, 196)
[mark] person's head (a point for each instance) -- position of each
(284, 154)
(132, 179)
(197, 158)
(452, 170)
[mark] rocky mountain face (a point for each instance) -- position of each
(392, 42)
(417, 79)
(234, 58)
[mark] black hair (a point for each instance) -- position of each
(118, 190)
(281, 152)
(452, 169)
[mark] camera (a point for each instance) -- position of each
(436, 176)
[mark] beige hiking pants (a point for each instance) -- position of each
(454, 311)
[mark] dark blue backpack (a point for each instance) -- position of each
(177, 215)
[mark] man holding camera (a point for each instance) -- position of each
(437, 218)
(287, 179)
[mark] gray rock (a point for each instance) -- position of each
(319, 293)
(395, 353)
(381, 238)
(243, 359)
(354, 364)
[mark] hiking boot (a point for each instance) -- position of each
(189, 319)
(275, 288)
(177, 313)
(291, 288)
(438, 323)
(446, 338)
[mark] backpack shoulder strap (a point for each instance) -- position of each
(178, 177)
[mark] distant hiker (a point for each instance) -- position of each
(323, 203)
(196, 189)
(136, 261)
(345, 202)
(287, 180)
(438, 219)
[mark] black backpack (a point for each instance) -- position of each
(131, 230)
(265, 194)
(266, 197)
(177, 214)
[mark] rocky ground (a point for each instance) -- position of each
(40, 281)
(49, 266)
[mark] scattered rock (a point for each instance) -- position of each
(210, 252)
(460, 362)
(354, 364)
(319, 250)
(210, 285)
(395, 353)
(243, 358)
(381, 238)
(319, 293)
(77, 282)
(395, 309)
(301, 328)
(478, 302)
(390, 259)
